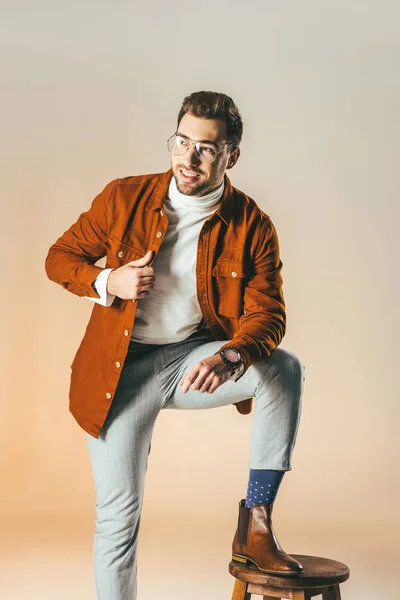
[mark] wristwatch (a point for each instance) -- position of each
(232, 358)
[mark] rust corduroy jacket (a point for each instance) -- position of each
(238, 274)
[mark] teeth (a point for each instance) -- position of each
(187, 174)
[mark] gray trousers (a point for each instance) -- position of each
(119, 457)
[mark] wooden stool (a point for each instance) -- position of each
(320, 576)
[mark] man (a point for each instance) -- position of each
(188, 314)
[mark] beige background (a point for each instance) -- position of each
(90, 92)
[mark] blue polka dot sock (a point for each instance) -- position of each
(263, 486)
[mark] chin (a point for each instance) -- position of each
(188, 189)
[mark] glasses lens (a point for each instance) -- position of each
(178, 145)
(206, 152)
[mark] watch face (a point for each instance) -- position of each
(232, 355)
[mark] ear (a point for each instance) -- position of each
(233, 158)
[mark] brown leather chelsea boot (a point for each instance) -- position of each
(255, 542)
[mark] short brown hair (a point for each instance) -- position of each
(214, 105)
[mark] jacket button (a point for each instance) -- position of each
(118, 364)
(159, 234)
(126, 332)
(108, 395)
(120, 254)
(234, 274)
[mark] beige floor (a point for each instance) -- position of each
(52, 560)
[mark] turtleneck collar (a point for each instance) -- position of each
(202, 203)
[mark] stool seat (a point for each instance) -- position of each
(321, 576)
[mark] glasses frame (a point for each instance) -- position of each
(196, 149)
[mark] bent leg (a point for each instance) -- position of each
(275, 382)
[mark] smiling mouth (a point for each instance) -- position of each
(189, 175)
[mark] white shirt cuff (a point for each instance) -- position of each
(237, 373)
(100, 284)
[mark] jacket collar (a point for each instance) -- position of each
(160, 190)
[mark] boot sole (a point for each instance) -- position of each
(249, 561)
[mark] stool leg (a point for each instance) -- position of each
(240, 591)
(331, 593)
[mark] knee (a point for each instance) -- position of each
(287, 364)
(118, 514)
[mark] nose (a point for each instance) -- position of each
(190, 157)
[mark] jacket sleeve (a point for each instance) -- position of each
(263, 324)
(70, 260)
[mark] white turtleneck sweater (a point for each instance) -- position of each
(171, 312)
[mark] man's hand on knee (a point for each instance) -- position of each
(207, 375)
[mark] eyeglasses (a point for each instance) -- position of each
(179, 145)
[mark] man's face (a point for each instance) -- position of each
(195, 177)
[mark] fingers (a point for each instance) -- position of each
(191, 379)
(138, 271)
(215, 384)
(188, 380)
(143, 261)
(144, 291)
(144, 286)
(145, 272)
(203, 379)
(141, 281)
(202, 382)
(208, 385)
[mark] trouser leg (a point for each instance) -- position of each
(277, 412)
(119, 456)
(119, 459)
(275, 382)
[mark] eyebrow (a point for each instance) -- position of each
(201, 141)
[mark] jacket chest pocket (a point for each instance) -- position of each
(119, 253)
(229, 282)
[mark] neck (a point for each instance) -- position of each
(195, 202)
